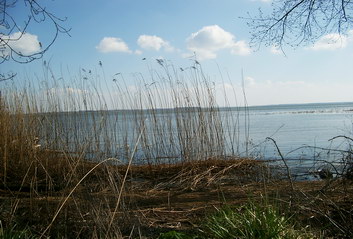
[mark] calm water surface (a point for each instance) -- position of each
(300, 131)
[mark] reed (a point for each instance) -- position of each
(82, 159)
(61, 142)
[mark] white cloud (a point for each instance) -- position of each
(138, 52)
(331, 41)
(210, 39)
(240, 48)
(249, 81)
(275, 50)
(112, 44)
(25, 44)
(153, 43)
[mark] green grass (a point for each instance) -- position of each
(14, 233)
(249, 221)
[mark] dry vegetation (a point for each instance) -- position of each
(58, 179)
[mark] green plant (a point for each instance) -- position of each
(14, 233)
(249, 221)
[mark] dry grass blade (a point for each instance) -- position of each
(68, 196)
(124, 180)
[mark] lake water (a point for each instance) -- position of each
(294, 126)
(302, 133)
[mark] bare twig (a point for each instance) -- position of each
(341, 136)
(296, 22)
(284, 161)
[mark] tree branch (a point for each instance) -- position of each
(297, 22)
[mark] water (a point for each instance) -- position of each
(294, 126)
(302, 133)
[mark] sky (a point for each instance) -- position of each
(121, 33)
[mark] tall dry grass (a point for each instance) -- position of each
(63, 138)
(59, 144)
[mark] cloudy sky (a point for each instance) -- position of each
(121, 33)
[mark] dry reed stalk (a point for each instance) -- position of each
(124, 180)
(190, 127)
(68, 196)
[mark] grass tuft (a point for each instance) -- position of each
(14, 233)
(249, 221)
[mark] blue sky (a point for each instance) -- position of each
(121, 33)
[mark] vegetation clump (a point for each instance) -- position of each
(249, 221)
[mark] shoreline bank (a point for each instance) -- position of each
(161, 198)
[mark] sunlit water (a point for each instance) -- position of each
(301, 132)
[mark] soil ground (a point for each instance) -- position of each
(178, 197)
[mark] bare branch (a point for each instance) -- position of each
(297, 22)
(12, 32)
(9, 26)
(9, 76)
(289, 175)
